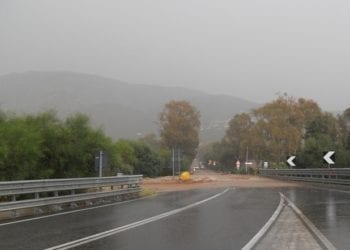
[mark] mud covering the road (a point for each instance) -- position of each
(208, 179)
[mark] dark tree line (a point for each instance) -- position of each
(44, 146)
(38, 146)
(283, 127)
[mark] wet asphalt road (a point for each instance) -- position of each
(226, 222)
(328, 210)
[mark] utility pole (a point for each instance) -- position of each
(173, 151)
(100, 163)
(178, 161)
(246, 161)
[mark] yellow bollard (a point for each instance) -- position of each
(185, 176)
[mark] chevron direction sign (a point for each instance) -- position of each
(290, 160)
(329, 157)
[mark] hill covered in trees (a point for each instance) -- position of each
(123, 110)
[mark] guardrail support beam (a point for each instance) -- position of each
(20, 195)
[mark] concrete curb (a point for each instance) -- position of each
(313, 229)
(252, 243)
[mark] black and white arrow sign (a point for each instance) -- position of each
(329, 157)
(290, 161)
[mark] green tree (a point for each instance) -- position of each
(82, 143)
(346, 128)
(19, 150)
(325, 123)
(280, 126)
(127, 154)
(283, 127)
(151, 140)
(148, 161)
(42, 146)
(179, 127)
(236, 137)
(325, 132)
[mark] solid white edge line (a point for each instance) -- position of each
(101, 235)
(266, 227)
(309, 224)
(75, 211)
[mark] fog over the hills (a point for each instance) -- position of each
(250, 49)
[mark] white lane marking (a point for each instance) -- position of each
(310, 225)
(98, 236)
(74, 211)
(266, 227)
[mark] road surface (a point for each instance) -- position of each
(216, 218)
(225, 222)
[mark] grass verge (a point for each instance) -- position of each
(147, 192)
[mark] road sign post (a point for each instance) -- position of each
(246, 160)
(100, 164)
(173, 151)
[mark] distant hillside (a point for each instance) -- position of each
(122, 109)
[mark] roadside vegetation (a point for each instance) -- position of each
(286, 126)
(37, 146)
(40, 146)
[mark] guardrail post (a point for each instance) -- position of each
(14, 213)
(38, 210)
(56, 208)
(118, 198)
(73, 205)
(88, 203)
(37, 196)
(13, 198)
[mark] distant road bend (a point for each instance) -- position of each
(216, 218)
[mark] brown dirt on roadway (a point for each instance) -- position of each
(210, 179)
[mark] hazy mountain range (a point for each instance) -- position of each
(123, 110)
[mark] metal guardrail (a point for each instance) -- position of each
(339, 176)
(37, 193)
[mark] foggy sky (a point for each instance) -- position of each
(247, 48)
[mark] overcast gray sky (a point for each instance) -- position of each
(247, 48)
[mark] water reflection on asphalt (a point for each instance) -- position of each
(329, 210)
